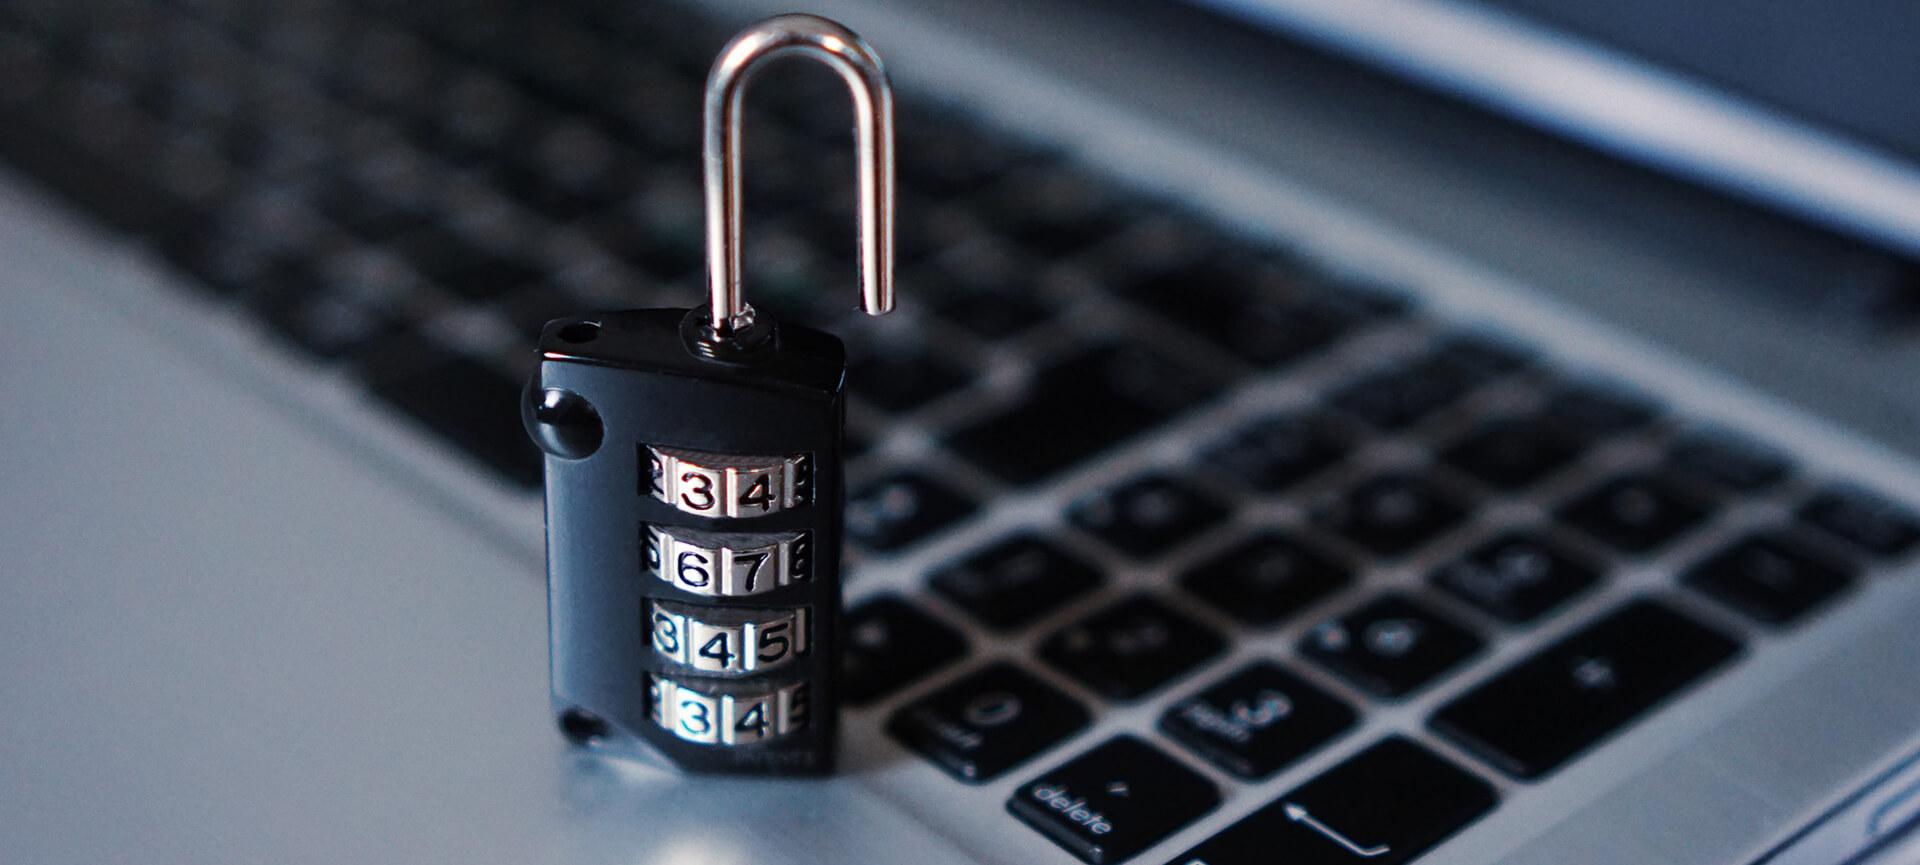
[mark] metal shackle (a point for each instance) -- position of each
(859, 66)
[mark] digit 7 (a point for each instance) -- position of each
(753, 561)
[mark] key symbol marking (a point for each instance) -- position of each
(1299, 814)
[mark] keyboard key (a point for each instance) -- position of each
(655, 250)
(1053, 211)
(1409, 392)
(1484, 356)
(1512, 453)
(1770, 576)
(1015, 581)
(1392, 513)
(987, 721)
(473, 407)
(1113, 801)
(1390, 647)
(1147, 516)
(367, 212)
(994, 297)
(1080, 406)
(992, 314)
(1276, 452)
(889, 645)
(325, 322)
(1540, 713)
(1596, 410)
(1638, 513)
(1257, 720)
(1130, 647)
(901, 509)
(857, 444)
(1383, 806)
(1254, 307)
(1727, 462)
(945, 153)
(899, 376)
(1517, 577)
(1864, 520)
(468, 267)
(1266, 579)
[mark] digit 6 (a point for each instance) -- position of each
(692, 569)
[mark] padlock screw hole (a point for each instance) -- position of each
(579, 332)
(582, 727)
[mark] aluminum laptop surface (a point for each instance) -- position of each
(269, 605)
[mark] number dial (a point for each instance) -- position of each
(727, 716)
(725, 564)
(728, 641)
(723, 485)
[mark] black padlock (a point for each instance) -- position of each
(693, 479)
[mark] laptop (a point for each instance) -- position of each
(1311, 432)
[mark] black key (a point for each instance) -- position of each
(899, 376)
(1015, 581)
(1113, 801)
(1147, 516)
(1254, 307)
(1637, 513)
(328, 325)
(993, 297)
(369, 213)
(473, 407)
(1409, 392)
(1597, 410)
(1274, 453)
(889, 644)
(1727, 462)
(1864, 520)
(1514, 452)
(901, 509)
(1053, 211)
(1540, 713)
(1266, 579)
(944, 153)
(1771, 576)
(1257, 720)
(987, 721)
(992, 314)
(321, 318)
(1484, 356)
(1517, 577)
(1390, 647)
(1130, 647)
(468, 267)
(1383, 806)
(1080, 406)
(657, 250)
(1392, 514)
(858, 443)
(572, 170)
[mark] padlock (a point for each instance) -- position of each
(693, 478)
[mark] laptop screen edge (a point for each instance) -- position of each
(1618, 103)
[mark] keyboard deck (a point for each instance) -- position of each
(1357, 510)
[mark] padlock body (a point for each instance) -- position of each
(693, 556)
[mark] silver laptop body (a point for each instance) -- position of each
(254, 614)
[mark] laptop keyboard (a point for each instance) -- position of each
(404, 198)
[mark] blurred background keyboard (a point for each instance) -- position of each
(405, 196)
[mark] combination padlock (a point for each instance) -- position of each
(693, 478)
